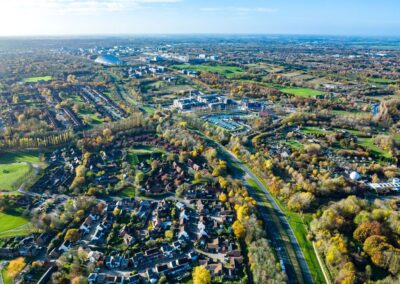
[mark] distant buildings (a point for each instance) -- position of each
(109, 60)
(212, 101)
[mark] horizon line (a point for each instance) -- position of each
(194, 34)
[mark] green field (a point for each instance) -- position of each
(352, 131)
(140, 153)
(145, 150)
(315, 131)
(296, 145)
(13, 225)
(13, 175)
(18, 157)
(127, 193)
(6, 279)
(133, 159)
(359, 114)
(302, 92)
(368, 144)
(148, 110)
(227, 71)
(38, 79)
(381, 80)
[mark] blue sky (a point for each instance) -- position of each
(79, 17)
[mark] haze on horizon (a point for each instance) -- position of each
(115, 17)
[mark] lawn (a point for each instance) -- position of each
(38, 79)
(227, 71)
(11, 225)
(381, 80)
(13, 175)
(148, 110)
(295, 144)
(314, 131)
(133, 159)
(354, 113)
(145, 150)
(368, 144)
(302, 92)
(127, 193)
(6, 279)
(352, 131)
(17, 157)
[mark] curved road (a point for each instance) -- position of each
(277, 240)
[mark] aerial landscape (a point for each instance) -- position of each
(198, 155)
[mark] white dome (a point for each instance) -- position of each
(355, 176)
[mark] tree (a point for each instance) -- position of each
(263, 263)
(72, 235)
(222, 197)
(197, 176)
(155, 164)
(15, 266)
(107, 133)
(79, 280)
(300, 201)
(116, 211)
(238, 229)
(366, 230)
(139, 177)
(201, 275)
(169, 235)
(223, 182)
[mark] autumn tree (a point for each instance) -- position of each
(238, 229)
(72, 235)
(201, 275)
(15, 266)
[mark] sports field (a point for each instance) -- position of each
(301, 92)
(38, 79)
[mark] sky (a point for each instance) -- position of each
(122, 17)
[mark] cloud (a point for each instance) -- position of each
(240, 10)
(79, 6)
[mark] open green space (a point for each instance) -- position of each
(381, 80)
(311, 130)
(133, 159)
(142, 153)
(294, 144)
(352, 131)
(10, 222)
(38, 79)
(227, 71)
(18, 157)
(148, 110)
(302, 92)
(6, 278)
(144, 150)
(368, 143)
(127, 193)
(354, 113)
(13, 175)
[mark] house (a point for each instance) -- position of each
(65, 246)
